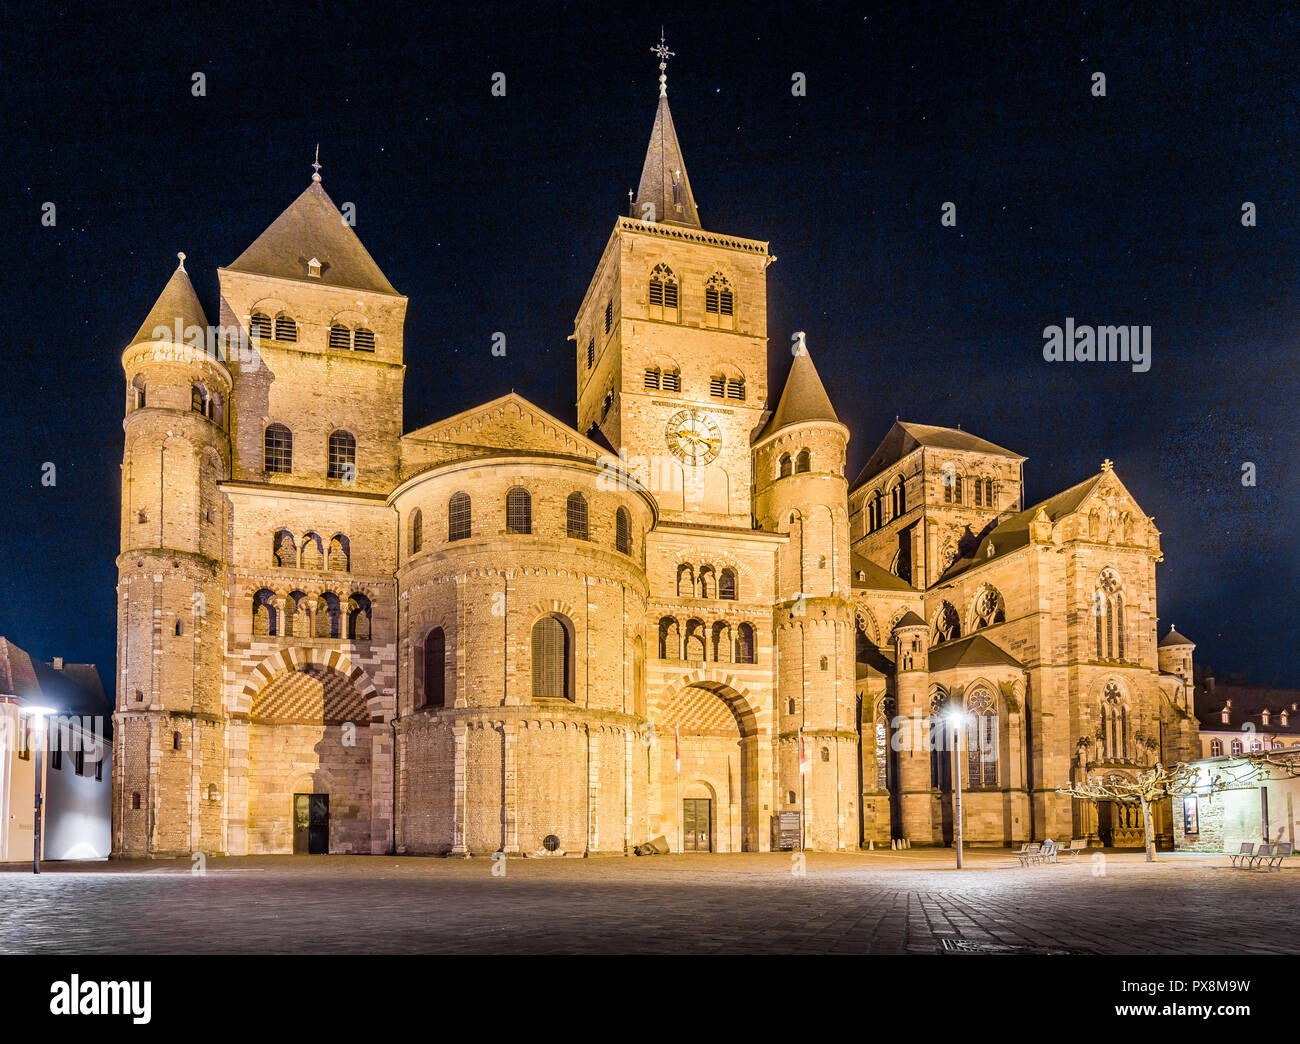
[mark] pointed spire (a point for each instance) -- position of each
(315, 167)
(177, 301)
(804, 397)
(664, 194)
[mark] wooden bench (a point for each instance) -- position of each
(1247, 851)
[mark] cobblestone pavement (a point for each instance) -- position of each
(884, 902)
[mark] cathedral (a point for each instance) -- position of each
(676, 616)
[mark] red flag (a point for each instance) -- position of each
(803, 754)
(677, 745)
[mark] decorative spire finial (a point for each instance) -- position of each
(1106, 464)
(664, 54)
(316, 165)
(801, 347)
(181, 258)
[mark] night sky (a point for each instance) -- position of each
(490, 214)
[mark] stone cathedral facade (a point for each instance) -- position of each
(677, 617)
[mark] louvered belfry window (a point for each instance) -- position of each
(736, 388)
(363, 340)
(591, 353)
(340, 338)
(259, 326)
(718, 386)
(609, 316)
(652, 380)
(285, 328)
(672, 380)
(458, 517)
(519, 511)
(551, 648)
(576, 517)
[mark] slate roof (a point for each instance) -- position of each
(1174, 638)
(972, 651)
(904, 437)
(177, 301)
(803, 398)
(75, 688)
(874, 578)
(313, 227)
(663, 165)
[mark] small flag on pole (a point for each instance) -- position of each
(803, 755)
(677, 746)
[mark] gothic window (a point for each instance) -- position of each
(285, 328)
(552, 648)
(622, 532)
(359, 618)
(786, 467)
(803, 462)
(138, 391)
(313, 552)
(670, 644)
(264, 613)
(898, 499)
(652, 379)
(727, 584)
(719, 302)
(435, 668)
(277, 449)
(340, 337)
(459, 517)
(1108, 607)
(342, 456)
(417, 531)
(982, 739)
(363, 340)
(284, 551)
(685, 581)
(328, 613)
(340, 554)
(745, 652)
(575, 509)
(940, 744)
(663, 294)
(259, 326)
(877, 510)
(672, 380)
(988, 607)
(519, 511)
(947, 624)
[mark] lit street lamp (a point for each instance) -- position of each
(38, 727)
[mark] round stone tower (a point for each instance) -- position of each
(1174, 653)
(800, 491)
(169, 748)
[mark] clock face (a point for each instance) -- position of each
(694, 436)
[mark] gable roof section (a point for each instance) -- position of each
(510, 424)
(905, 437)
(313, 227)
(972, 651)
(874, 578)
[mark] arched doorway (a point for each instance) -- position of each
(709, 729)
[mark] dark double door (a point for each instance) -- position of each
(697, 816)
(311, 824)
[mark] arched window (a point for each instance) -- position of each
(417, 531)
(285, 328)
(823, 664)
(1236, 746)
(1108, 608)
(342, 456)
(216, 409)
(294, 606)
(199, 399)
(898, 499)
(988, 607)
(671, 380)
(719, 302)
(670, 641)
(956, 489)
(328, 612)
(1216, 748)
(435, 668)
(695, 639)
(947, 624)
(685, 581)
(745, 644)
(264, 613)
(708, 582)
(284, 551)
(313, 552)
(138, 391)
(458, 517)
(575, 517)
(340, 338)
(803, 462)
(340, 554)
(652, 378)
(723, 645)
(259, 326)
(622, 532)
(552, 658)
(727, 584)
(940, 743)
(785, 467)
(876, 510)
(277, 449)
(663, 294)
(988, 493)
(519, 511)
(982, 739)
(363, 340)
(359, 618)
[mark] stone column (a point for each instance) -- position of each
(459, 780)
(510, 787)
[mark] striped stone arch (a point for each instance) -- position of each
(727, 688)
(866, 622)
(547, 606)
(295, 659)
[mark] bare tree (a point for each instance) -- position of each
(1149, 786)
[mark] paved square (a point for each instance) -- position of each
(884, 902)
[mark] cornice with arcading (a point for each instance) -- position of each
(517, 573)
(694, 235)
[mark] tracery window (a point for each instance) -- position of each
(947, 624)
(982, 739)
(663, 294)
(988, 607)
(719, 302)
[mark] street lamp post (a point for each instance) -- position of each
(38, 728)
(956, 719)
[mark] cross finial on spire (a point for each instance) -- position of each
(316, 165)
(664, 54)
(181, 258)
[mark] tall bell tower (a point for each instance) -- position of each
(671, 343)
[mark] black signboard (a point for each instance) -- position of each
(786, 832)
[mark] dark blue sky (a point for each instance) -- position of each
(490, 214)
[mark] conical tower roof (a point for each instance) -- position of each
(177, 301)
(804, 397)
(312, 228)
(664, 184)
(1173, 638)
